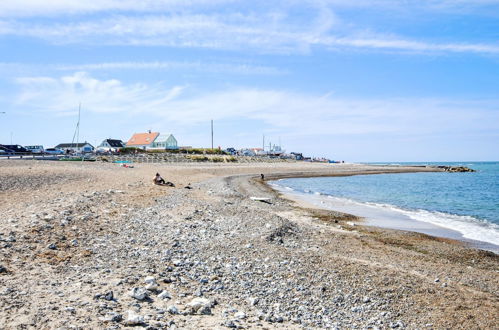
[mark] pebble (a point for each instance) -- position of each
(164, 295)
(134, 318)
(139, 294)
(240, 315)
(172, 309)
(200, 306)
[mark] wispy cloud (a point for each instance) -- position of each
(37, 8)
(268, 32)
(248, 69)
(27, 8)
(300, 113)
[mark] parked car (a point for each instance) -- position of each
(54, 151)
(35, 149)
(14, 148)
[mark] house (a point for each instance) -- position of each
(75, 147)
(142, 140)
(111, 145)
(165, 141)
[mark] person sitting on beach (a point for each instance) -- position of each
(158, 180)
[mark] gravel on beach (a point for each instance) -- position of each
(99, 246)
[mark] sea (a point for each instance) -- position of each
(463, 206)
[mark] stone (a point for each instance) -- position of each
(151, 283)
(172, 310)
(240, 315)
(134, 318)
(109, 296)
(253, 301)
(164, 295)
(229, 324)
(112, 317)
(200, 306)
(52, 246)
(3, 269)
(139, 294)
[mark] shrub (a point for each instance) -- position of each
(198, 158)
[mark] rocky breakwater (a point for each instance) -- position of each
(455, 169)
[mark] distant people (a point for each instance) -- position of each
(262, 176)
(158, 180)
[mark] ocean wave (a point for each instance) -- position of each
(469, 227)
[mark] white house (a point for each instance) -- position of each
(165, 141)
(111, 145)
(75, 147)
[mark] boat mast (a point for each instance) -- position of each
(77, 130)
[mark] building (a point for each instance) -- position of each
(75, 147)
(111, 145)
(142, 140)
(165, 141)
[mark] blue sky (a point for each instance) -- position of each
(358, 80)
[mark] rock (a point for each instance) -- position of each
(139, 294)
(52, 246)
(240, 315)
(200, 306)
(164, 295)
(229, 324)
(109, 296)
(365, 300)
(151, 283)
(134, 318)
(3, 269)
(253, 301)
(151, 286)
(172, 310)
(149, 279)
(112, 317)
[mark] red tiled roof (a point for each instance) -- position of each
(142, 138)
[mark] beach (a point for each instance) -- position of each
(96, 245)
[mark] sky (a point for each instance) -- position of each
(364, 80)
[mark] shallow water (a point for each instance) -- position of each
(456, 205)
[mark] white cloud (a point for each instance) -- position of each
(265, 32)
(295, 114)
(249, 69)
(30, 8)
(20, 8)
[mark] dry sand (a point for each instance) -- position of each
(71, 233)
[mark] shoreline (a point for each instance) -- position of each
(80, 239)
(379, 218)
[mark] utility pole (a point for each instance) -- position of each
(212, 134)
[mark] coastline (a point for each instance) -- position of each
(382, 218)
(280, 265)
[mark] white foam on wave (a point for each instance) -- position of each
(468, 226)
(387, 215)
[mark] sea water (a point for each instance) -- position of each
(457, 205)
